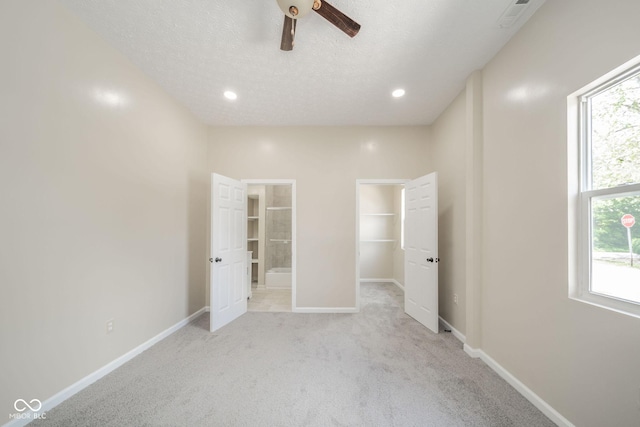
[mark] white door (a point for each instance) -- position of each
(421, 250)
(228, 290)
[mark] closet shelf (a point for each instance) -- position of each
(280, 240)
(252, 218)
(254, 261)
(279, 208)
(252, 239)
(378, 214)
(378, 240)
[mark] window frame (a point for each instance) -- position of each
(585, 194)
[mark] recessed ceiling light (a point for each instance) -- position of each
(230, 95)
(398, 93)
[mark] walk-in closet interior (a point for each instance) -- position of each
(381, 217)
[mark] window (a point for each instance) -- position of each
(609, 193)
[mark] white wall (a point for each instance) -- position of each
(449, 156)
(104, 190)
(325, 162)
(581, 359)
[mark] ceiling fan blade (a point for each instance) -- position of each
(338, 19)
(288, 33)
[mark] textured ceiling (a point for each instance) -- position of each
(197, 49)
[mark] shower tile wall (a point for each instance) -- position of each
(278, 226)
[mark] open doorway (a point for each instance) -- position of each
(382, 231)
(379, 232)
(271, 245)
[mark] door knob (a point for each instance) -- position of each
(429, 259)
(433, 260)
(218, 259)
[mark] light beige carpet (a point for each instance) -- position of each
(375, 368)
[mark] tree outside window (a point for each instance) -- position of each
(611, 187)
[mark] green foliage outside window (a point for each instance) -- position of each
(615, 139)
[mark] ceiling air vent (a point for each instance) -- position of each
(513, 12)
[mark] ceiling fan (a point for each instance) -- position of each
(295, 9)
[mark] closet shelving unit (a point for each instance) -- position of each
(254, 233)
(380, 218)
(253, 226)
(380, 256)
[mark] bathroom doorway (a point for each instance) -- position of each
(271, 218)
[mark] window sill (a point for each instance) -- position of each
(608, 303)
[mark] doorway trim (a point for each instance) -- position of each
(294, 240)
(359, 182)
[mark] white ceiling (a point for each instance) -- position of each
(197, 49)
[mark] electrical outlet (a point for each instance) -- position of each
(109, 326)
(455, 298)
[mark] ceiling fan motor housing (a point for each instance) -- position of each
(302, 6)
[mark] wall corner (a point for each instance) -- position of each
(474, 217)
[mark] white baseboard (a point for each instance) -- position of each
(58, 398)
(398, 284)
(456, 333)
(472, 352)
(325, 310)
(536, 400)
